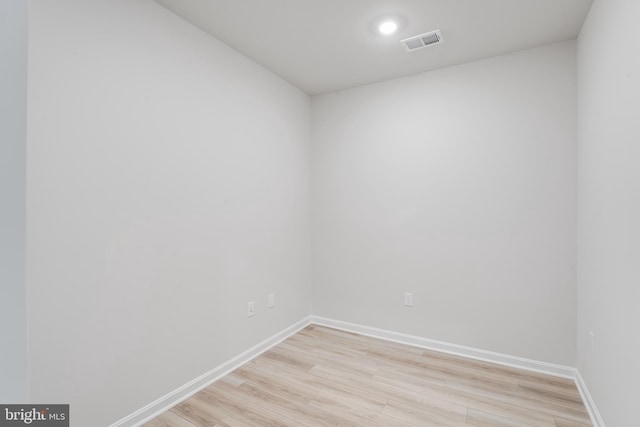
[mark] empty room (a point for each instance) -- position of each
(319, 212)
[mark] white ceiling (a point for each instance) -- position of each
(327, 45)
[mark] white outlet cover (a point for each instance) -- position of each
(271, 300)
(408, 299)
(250, 309)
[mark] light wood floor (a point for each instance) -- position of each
(322, 376)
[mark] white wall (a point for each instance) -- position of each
(13, 137)
(167, 187)
(609, 208)
(457, 185)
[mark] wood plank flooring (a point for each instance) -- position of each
(322, 376)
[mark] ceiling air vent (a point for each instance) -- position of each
(421, 41)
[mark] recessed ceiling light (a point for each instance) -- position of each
(388, 27)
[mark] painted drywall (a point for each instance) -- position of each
(168, 186)
(459, 186)
(609, 208)
(13, 138)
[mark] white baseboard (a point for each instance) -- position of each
(473, 353)
(171, 399)
(596, 419)
(458, 350)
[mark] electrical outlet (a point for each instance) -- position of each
(271, 300)
(408, 299)
(591, 339)
(251, 309)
